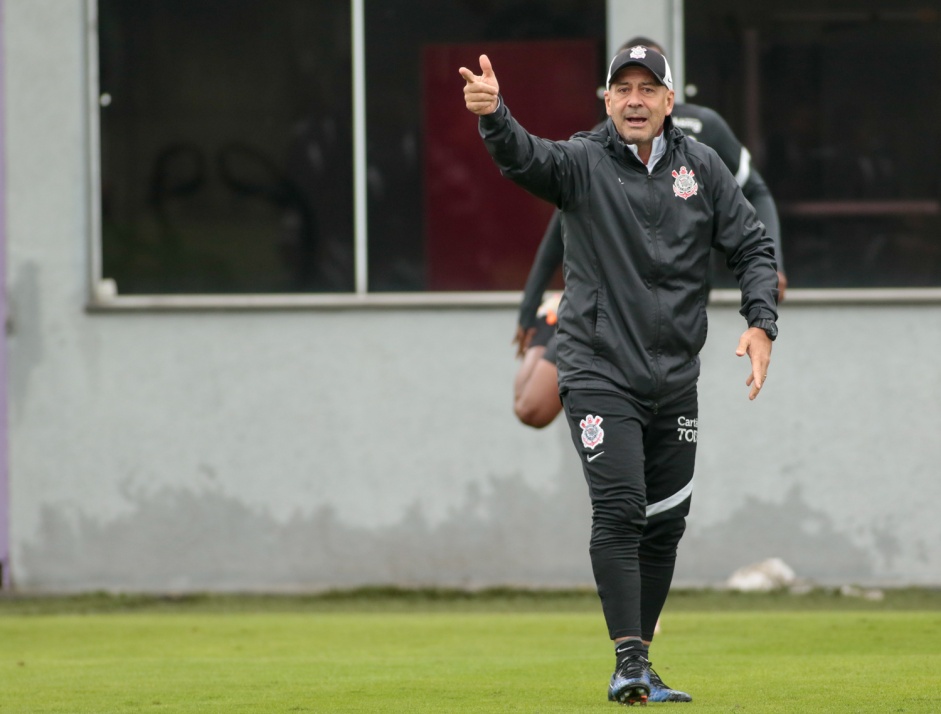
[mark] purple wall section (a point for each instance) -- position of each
(4, 424)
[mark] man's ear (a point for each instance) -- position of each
(671, 101)
(607, 101)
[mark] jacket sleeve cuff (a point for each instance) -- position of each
(760, 314)
(496, 118)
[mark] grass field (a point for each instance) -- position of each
(377, 651)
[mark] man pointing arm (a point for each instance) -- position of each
(642, 207)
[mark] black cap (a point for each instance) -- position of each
(643, 57)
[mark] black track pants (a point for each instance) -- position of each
(638, 462)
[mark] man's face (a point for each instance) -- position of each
(638, 105)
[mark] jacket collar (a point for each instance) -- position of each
(616, 145)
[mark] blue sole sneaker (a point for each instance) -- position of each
(660, 692)
(630, 683)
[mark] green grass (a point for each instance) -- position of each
(390, 599)
(440, 651)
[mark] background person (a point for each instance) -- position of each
(536, 387)
(642, 206)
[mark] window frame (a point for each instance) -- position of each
(102, 296)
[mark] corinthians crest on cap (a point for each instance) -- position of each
(638, 52)
(685, 184)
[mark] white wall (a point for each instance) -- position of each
(295, 450)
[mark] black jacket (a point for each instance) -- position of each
(699, 123)
(633, 315)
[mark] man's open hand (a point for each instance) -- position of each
(757, 345)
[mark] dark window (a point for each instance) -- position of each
(841, 121)
(227, 158)
(226, 138)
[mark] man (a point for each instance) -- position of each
(642, 206)
(536, 399)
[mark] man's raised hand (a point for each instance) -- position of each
(481, 92)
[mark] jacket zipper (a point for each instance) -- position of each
(652, 194)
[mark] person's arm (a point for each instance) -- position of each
(749, 254)
(747, 245)
(716, 132)
(555, 171)
(758, 193)
(548, 258)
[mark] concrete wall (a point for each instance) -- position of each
(660, 20)
(275, 450)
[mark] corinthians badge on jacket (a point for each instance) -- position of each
(685, 184)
